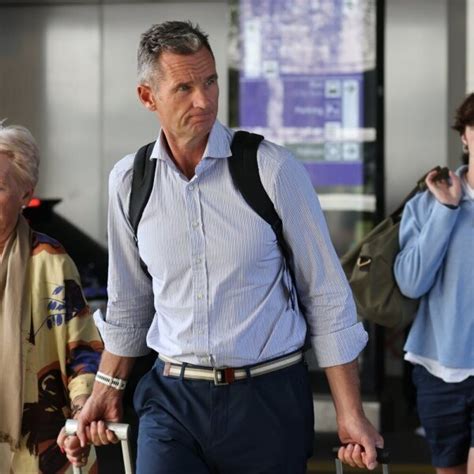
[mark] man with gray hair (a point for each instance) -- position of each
(229, 392)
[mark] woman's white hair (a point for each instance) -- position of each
(18, 142)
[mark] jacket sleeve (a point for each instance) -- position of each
(83, 343)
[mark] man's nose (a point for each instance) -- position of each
(201, 98)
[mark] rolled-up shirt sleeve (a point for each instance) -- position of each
(323, 290)
(130, 308)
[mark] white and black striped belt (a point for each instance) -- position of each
(227, 375)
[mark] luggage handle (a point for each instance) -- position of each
(383, 458)
(121, 430)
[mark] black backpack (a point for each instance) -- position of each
(245, 176)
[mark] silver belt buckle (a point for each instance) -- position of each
(215, 373)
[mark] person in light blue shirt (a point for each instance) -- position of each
(436, 264)
(229, 392)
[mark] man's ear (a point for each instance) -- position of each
(146, 96)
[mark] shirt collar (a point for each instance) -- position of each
(218, 144)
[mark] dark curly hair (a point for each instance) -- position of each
(464, 117)
(178, 37)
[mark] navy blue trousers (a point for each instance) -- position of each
(259, 425)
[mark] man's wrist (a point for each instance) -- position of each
(117, 367)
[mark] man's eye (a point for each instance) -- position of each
(211, 81)
(183, 88)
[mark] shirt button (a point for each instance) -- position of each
(190, 187)
(200, 296)
(198, 260)
(195, 224)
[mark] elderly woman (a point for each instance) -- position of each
(49, 346)
(436, 263)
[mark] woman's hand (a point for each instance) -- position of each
(71, 446)
(446, 192)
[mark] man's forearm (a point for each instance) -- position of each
(114, 366)
(345, 388)
(357, 435)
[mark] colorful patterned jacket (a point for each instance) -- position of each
(61, 357)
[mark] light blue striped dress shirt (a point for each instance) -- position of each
(220, 293)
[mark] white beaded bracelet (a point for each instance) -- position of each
(118, 384)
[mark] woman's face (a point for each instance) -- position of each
(12, 197)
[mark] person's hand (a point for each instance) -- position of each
(445, 191)
(360, 439)
(101, 406)
(71, 446)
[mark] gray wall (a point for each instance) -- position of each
(457, 27)
(470, 46)
(50, 83)
(67, 72)
(416, 84)
(425, 80)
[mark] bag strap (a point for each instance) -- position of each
(142, 184)
(420, 186)
(243, 167)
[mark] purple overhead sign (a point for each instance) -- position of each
(301, 77)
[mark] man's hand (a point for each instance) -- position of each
(445, 191)
(354, 429)
(360, 439)
(103, 405)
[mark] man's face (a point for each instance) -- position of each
(185, 94)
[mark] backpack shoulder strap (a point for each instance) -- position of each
(243, 168)
(142, 184)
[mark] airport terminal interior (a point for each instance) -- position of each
(361, 91)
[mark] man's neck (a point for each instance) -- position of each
(186, 153)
